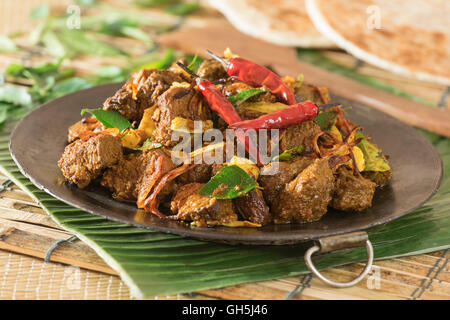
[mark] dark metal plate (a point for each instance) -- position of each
(39, 140)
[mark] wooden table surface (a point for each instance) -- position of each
(76, 272)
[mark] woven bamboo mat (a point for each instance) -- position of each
(24, 277)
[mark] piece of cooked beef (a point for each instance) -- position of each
(188, 205)
(273, 183)
(201, 173)
(318, 95)
(131, 100)
(253, 208)
(121, 179)
(134, 177)
(381, 178)
(352, 193)
(184, 192)
(212, 70)
(85, 125)
(124, 103)
(299, 134)
(187, 103)
(305, 199)
(158, 82)
(84, 159)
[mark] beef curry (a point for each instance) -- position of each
(324, 162)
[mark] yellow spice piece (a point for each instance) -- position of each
(245, 164)
(359, 158)
(147, 124)
(334, 131)
(129, 138)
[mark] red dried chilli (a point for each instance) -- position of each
(217, 101)
(220, 104)
(257, 76)
(284, 118)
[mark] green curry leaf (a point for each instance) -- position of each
(240, 97)
(166, 60)
(68, 86)
(110, 119)
(78, 42)
(288, 154)
(183, 9)
(15, 95)
(373, 157)
(229, 183)
(326, 119)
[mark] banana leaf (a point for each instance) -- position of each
(154, 263)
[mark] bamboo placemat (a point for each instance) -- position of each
(24, 277)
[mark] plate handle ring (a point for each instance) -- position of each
(340, 242)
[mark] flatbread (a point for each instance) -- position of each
(411, 37)
(283, 22)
